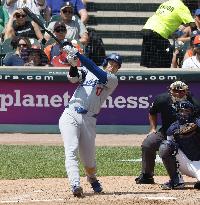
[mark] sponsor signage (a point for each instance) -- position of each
(43, 101)
(60, 75)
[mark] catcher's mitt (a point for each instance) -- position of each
(187, 128)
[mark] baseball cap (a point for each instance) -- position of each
(59, 24)
(67, 4)
(195, 33)
(196, 41)
(197, 12)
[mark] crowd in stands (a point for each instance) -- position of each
(29, 44)
(67, 20)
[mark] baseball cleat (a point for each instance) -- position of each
(77, 191)
(96, 186)
(197, 185)
(170, 185)
(144, 179)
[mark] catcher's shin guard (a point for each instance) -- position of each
(167, 151)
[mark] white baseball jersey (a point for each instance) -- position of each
(91, 93)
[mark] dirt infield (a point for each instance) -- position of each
(117, 190)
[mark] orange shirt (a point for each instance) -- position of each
(61, 59)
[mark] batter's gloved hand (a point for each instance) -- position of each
(73, 60)
(70, 50)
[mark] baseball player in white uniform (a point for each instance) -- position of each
(78, 121)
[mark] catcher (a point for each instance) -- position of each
(181, 151)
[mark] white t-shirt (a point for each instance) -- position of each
(31, 4)
(191, 62)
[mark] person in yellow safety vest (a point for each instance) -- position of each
(157, 51)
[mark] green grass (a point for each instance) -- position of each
(26, 162)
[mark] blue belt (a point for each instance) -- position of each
(81, 110)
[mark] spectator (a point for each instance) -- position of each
(197, 18)
(19, 25)
(3, 18)
(34, 5)
(75, 28)
(79, 8)
(164, 104)
(36, 57)
(18, 58)
(189, 51)
(180, 152)
(185, 41)
(54, 51)
(156, 48)
(187, 31)
(193, 62)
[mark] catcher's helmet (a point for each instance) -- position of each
(178, 91)
(178, 85)
(185, 111)
(114, 56)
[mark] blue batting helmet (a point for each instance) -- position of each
(114, 56)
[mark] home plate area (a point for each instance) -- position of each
(117, 191)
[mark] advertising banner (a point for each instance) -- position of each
(37, 101)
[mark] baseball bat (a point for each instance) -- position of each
(40, 23)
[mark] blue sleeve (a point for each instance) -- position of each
(79, 5)
(92, 67)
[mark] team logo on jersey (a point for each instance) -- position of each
(90, 83)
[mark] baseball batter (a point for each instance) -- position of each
(78, 122)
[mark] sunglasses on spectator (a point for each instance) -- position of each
(60, 30)
(67, 11)
(20, 15)
(22, 45)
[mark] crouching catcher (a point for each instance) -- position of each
(180, 152)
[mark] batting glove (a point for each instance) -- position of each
(70, 50)
(73, 61)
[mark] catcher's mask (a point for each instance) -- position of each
(178, 91)
(185, 111)
(114, 56)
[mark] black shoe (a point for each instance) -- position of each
(144, 179)
(95, 184)
(170, 185)
(77, 191)
(197, 185)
